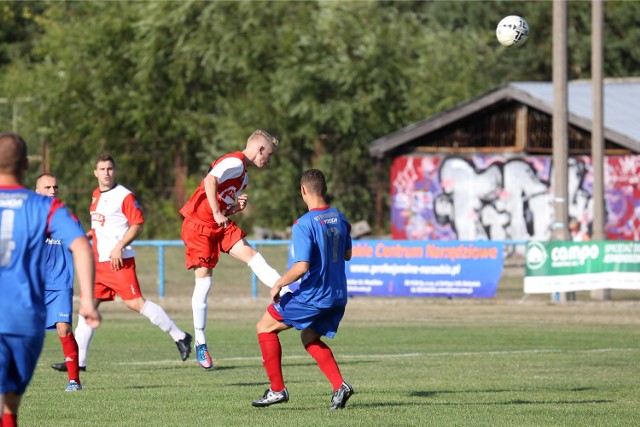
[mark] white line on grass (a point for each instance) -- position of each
(409, 355)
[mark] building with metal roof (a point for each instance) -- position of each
(518, 116)
(483, 169)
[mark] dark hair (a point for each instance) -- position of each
(105, 158)
(13, 153)
(315, 182)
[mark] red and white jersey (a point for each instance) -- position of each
(112, 213)
(231, 173)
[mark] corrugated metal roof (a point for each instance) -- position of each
(621, 107)
(621, 111)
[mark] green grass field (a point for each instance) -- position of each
(508, 361)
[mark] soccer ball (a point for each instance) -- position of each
(512, 30)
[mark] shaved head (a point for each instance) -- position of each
(13, 154)
(47, 184)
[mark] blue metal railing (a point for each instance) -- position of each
(160, 244)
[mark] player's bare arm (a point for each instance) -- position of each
(211, 189)
(85, 272)
(116, 253)
(241, 203)
(347, 254)
(296, 271)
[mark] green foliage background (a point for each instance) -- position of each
(152, 82)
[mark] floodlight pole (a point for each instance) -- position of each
(560, 131)
(597, 132)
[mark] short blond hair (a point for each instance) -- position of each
(266, 135)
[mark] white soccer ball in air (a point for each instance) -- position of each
(512, 30)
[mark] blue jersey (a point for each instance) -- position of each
(321, 237)
(59, 265)
(26, 220)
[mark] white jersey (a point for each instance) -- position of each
(112, 213)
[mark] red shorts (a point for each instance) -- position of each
(204, 244)
(123, 282)
(273, 311)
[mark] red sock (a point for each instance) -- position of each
(9, 420)
(70, 350)
(326, 362)
(272, 359)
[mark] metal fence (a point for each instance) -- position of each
(511, 248)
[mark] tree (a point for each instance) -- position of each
(167, 87)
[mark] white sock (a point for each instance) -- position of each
(161, 319)
(264, 271)
(199, 307)
(267, 274)
(83, 335)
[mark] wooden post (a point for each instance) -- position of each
(560, 131)
(597, 133)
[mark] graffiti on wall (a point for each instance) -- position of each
(496, 197)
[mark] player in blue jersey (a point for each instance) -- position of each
(321, 244)
(59, 291)
(26, 220)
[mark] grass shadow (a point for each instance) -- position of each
(432, 393)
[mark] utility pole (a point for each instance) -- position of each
(560, 130)
(597, 132)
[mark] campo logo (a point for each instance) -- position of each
(573, 254)
(536, 255)
(560, 254)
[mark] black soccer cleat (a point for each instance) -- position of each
(271, 398)
(341, 395)
(62, 367)
(184, 346)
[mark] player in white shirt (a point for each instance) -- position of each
(116, 221)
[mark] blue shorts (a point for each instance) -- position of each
(59, 307)
(18, 359)
(323, 321)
